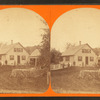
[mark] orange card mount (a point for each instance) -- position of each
(50, 13)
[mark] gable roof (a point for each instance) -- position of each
(30, 49)
(73, 50)
(35, 53)
(4, 49)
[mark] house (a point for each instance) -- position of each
(81, 55)
(33, 58)
(98, 60)
(13, 54)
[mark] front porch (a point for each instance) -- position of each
(33, 61)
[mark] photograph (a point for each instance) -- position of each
(75, 52)
(24, 51)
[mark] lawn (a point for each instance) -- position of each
(8, 84)
(68, 81)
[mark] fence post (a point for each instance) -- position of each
(48, 77)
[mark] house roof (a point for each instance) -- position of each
(4, 49)
(35, 53)
(73, 50)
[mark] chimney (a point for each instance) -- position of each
(11, 42)
(79, 42)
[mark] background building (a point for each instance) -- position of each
(33, 58)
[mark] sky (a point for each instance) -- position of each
(81, 24)
(21, 25)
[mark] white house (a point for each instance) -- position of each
(98, 59)
(14, 54)
(81, 55)
(33, 58)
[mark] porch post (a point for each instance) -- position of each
(35, 61)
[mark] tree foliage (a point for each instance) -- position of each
(2, 45)
(69, 45)
(97, 51)
(44, 59)
(55, 56)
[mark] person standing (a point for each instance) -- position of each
(6, 62)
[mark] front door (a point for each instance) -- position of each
(86, 60)
(18, 59)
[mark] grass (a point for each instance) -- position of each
(68, 81)
(34, 84)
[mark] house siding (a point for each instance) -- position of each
(15, 54)
(74, 58)
(84, 55)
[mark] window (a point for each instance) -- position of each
(83, 51)
(23, 57)
(86, 51)
(11, 57)
(18, 49)
(98, 61)
(91, 58)
(74, 63)
(79, 58)
(67, 58)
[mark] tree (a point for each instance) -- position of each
(97, 51)
(44, 59)
(69, 45)
(55, 56)
(3, 45)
